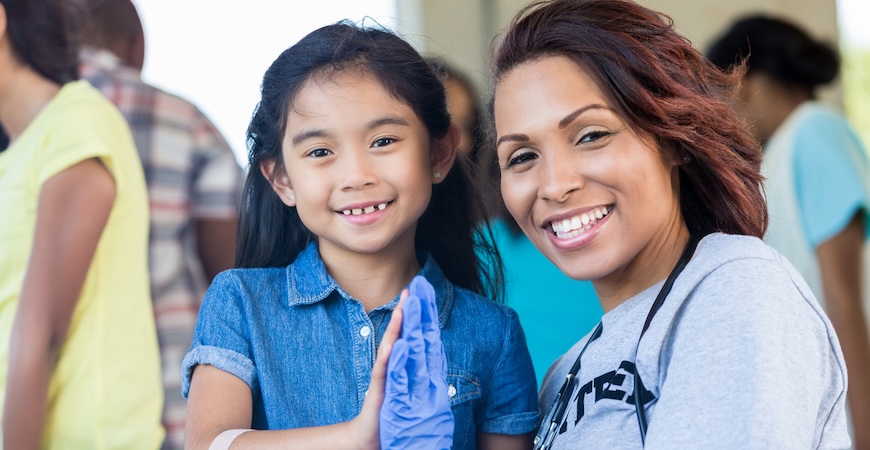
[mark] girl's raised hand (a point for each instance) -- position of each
(416, 411)
(365, 426)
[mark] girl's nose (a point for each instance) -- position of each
(360, 171)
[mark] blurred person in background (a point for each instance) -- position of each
(79, 362)
(572, 308)
(816, 171)
(193, 184)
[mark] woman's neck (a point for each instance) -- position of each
(373, 279)
(651, 265)
(23, 94)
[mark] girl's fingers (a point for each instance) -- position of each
(394, 328)
(375, 393)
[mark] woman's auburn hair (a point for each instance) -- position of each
(656, 80)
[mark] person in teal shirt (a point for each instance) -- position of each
(555, 311)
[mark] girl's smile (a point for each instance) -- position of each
(365, 213)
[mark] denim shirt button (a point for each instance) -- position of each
(365, 331)
(451, 390)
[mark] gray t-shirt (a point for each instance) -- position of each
(740, 355)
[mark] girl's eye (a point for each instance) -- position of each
(520, 158)
(319, 153)
(593, 136)
(382, 142)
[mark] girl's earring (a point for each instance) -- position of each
(292, 197)
(436, 175)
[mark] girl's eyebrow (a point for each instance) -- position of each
(305, 135)
(388, 120)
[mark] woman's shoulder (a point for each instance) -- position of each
(743, 279)
(735, 256)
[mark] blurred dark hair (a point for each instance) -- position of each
(44, 35)
(661, 85)
(777, 48)
(272, 235)
(481, 161)
(110, 22)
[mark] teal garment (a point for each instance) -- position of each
(555, 311)
(830, 164)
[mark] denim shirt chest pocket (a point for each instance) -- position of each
(464, 390)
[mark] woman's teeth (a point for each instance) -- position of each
(572, 227)
(366, 210)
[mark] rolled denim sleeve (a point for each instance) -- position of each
(222, 335)
(510, 403)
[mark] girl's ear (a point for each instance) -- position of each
(280, 182)
(444, 154)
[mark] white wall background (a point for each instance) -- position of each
(214, 52)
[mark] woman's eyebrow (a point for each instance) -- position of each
(512, 137)
(570, 117)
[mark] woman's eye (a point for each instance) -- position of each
(319, 152)
(592, 136)
(382, 142)
(520, 158)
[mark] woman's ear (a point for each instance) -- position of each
(444, 154)
(279, 181)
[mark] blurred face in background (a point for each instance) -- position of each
(460, 104)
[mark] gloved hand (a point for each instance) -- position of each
(416, 410)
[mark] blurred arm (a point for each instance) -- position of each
(72, 212)
(840, 263)
(216, 245)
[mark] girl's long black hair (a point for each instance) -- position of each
(271, 233)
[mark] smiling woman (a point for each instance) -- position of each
(622, 162)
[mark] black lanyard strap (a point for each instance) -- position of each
(657, 304)
(548, 430)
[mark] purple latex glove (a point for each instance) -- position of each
(416, 411)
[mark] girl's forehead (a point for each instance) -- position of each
(347, 82)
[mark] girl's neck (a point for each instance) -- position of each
(373, 279)
(23, 94)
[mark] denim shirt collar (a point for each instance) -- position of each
(308, 282)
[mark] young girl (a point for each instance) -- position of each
(356, 193)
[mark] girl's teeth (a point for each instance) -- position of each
(366, 210)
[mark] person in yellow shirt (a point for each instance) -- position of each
(79, 362)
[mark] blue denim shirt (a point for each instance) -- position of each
(306, 348)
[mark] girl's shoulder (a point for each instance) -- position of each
(246, 284)
(466, 301)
